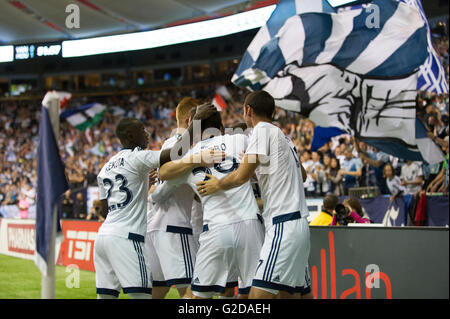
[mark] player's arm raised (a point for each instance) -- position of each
(240, 176)
(181, 147)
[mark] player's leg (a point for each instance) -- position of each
(284, 257)
(305, 290)
(259, 293)
(106, 281)
(131, 266)
(212, 263)
(249, 238)
(160, 288)
(177, 250)
(159, 292)
(228, 294)
(263, 291)
(309, 295)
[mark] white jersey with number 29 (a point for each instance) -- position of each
(224, 207)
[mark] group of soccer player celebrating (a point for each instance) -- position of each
(206, 174)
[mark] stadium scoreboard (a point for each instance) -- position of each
(25, 52)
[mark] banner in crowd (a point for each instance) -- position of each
(381, 211)
(437, 211)
(85, 116)
(78, 245)
(329, 67)
(18, 237)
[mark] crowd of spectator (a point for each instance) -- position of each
(336, 167)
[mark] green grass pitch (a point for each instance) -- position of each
(21, 279)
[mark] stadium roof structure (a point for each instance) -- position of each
(32, 21)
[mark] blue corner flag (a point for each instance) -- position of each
(51, 178)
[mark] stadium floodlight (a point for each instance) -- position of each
(168, 36)
(6, 53)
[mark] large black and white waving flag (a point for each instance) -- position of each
(356, 70)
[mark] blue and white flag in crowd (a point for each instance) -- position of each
(51, 178)
(431, 74)
(355, 70)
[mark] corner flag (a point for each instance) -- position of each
(51, 179)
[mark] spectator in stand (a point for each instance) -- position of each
(67, 205)
(79, 208)
(323, 182)
(23, 205)
(325, 217)
(314, 170)
(412, 177)
(308, 185)
(440, 183)
(350, 211)
(95, 213)
(351, 170)
(393, 182)
(335, 177)
(376, 159)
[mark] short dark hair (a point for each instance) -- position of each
(214, 121)
(124, 126)
(261, 102)
(330, 201)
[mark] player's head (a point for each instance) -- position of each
(212, 126)
(330, 201)
(184, 109)
(131, 133)
(258, 104)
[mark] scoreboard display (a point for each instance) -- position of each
(25, 52)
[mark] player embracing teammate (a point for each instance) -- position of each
(232, 244)
(283, 263)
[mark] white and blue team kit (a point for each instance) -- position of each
(119, 258)
(170, 241)
(232, 232)
(283, 262)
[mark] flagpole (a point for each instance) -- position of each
(48, 281)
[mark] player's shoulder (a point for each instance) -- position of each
(235, 137)
(170, 141)
(266, 129)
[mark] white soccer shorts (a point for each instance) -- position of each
(172, 256)
(120, 263)
(283, 262)
(227, 252)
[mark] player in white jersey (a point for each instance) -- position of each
(232, 233)
(169, 240)
(282, 269)
(123, 181)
